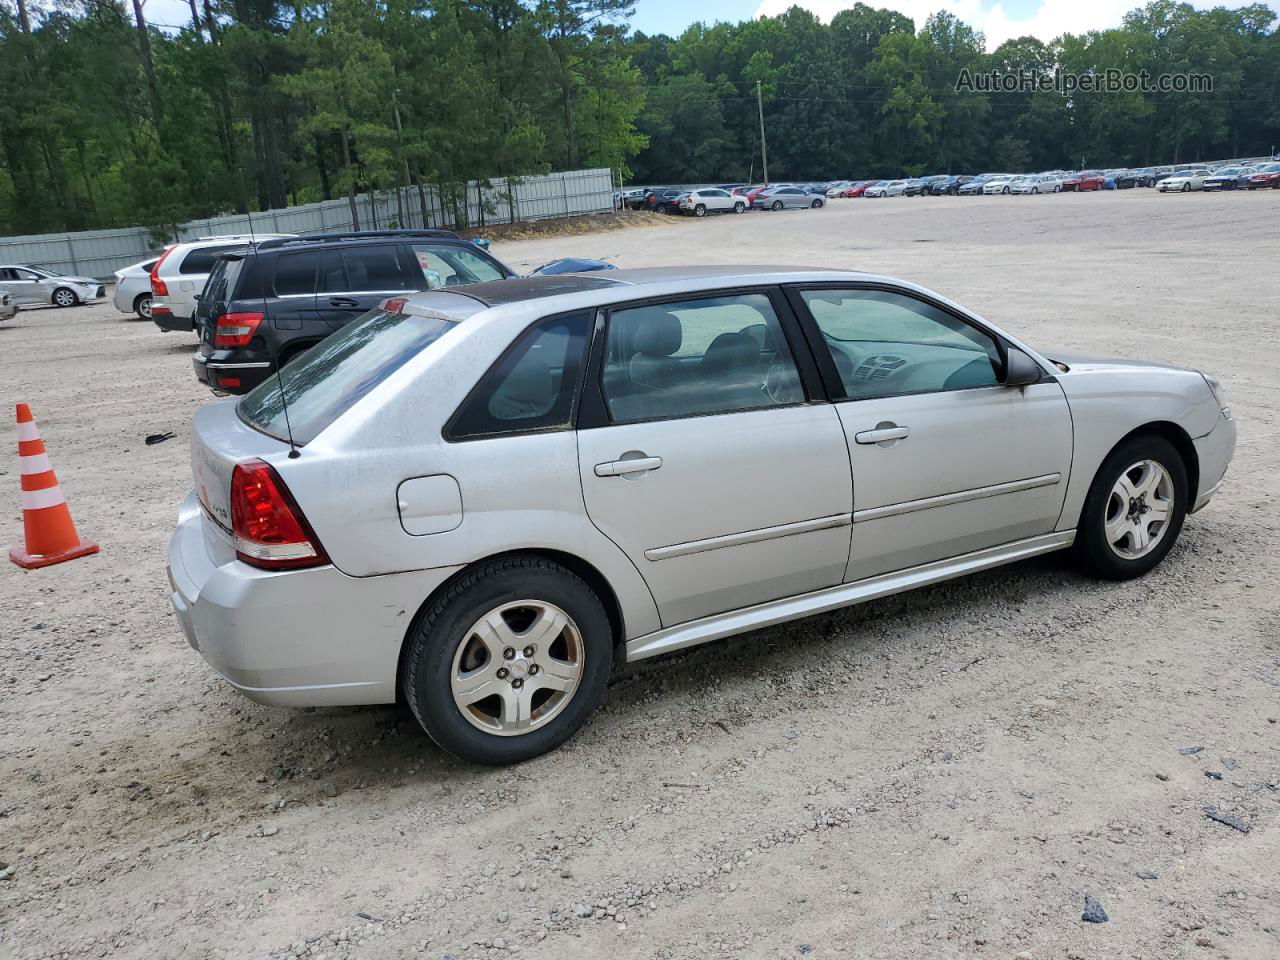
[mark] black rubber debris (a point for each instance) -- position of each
(1231, 820)
(154, 438)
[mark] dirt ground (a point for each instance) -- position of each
(943, 774)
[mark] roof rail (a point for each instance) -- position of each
(357, 235)
(235, 236)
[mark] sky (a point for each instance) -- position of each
(1000, 20)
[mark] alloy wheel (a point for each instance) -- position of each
(517, 667)
(1139, 509)
(64, 298)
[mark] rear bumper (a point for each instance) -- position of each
(1214, 450)
(166, 320)
(230, 371)
(300, 638)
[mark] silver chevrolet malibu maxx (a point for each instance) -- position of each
(482, 497)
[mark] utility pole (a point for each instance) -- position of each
(764, 153)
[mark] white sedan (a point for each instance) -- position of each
(1184, 181)
(1042, 183)
(1000, 185)
(886, 188)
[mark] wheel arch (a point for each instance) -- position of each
(576, 565)
(1175, 435)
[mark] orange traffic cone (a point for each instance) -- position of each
(50, 534)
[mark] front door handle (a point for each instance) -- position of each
(343, 302)
(619, 468)
(881, 434)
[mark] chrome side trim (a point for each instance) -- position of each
(960, 496)
(237, 366)
(748, 536)
(821, 601)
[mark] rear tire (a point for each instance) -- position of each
(142, 306)
(700, 210)
(454, 654)
(1121, 533)
(777, 205)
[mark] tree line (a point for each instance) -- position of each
(107, 119)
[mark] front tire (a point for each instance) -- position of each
(816, 204)
(1134, 510)
(739, 208)
(509, 661)
(65, 297)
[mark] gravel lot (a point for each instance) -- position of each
(943, 774)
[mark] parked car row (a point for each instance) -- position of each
(701, 200)
(698, 201)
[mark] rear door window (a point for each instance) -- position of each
(296, 274)
(373, 269)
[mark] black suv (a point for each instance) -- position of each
(274, 301)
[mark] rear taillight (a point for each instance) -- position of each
(158, 286)
(236, 329)
(270, 530)
(394, 304)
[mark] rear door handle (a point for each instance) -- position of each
(881, 434)
(343, 302)
(618, 468)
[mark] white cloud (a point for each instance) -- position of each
(1052, 19)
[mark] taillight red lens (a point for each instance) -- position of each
(236, 329)
(394, 304)
(270, 530)
(158, 286)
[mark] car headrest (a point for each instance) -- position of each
(731, 352)
(658, 333)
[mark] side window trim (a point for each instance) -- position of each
(827, 366)
(593, 412)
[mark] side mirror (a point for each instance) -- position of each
(1020, 370)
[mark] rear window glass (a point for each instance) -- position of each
(328, 379)
(222, 281)
(201, 260)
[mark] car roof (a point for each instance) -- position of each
(461, 301)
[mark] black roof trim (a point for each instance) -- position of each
(493, 293)
(350, 236)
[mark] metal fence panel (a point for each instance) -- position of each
(98, 253)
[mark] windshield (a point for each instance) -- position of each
(328, 379)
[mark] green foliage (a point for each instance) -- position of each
(265, 103)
